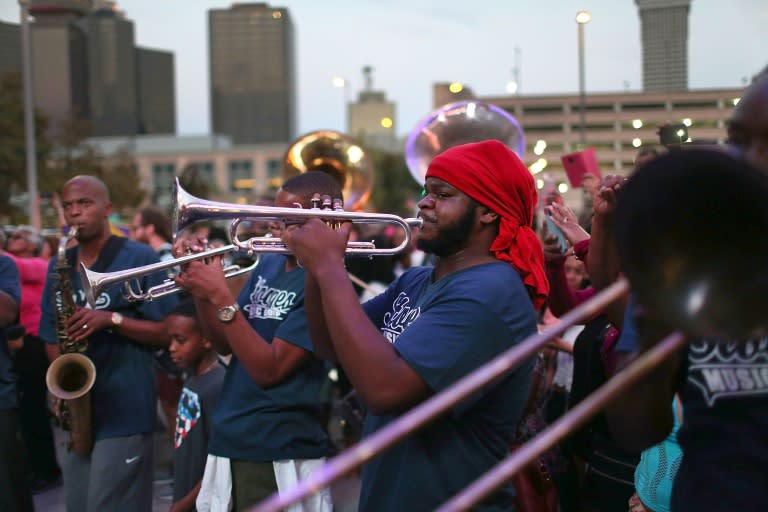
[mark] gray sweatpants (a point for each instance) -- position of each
(117, 476)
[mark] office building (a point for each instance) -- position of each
(238, 174)
(372, 117)
(252, 73)
(617, 125)
(112, 81)
(155, 91)
(85, 65)
(664, 35)
(58, 54)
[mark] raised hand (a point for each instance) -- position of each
(566, 220)
(606, 199)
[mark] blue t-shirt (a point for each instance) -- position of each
(10, 284)
(124, 395)
(282, 421)
(444, 330)
(723, 436)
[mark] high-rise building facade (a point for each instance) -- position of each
(59, 62)
(252, 73)
(112, 83)
(664, 35)
(85, 65)
(155, 89)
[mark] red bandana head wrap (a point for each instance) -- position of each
(493, 175)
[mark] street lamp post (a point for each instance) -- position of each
(29, 117)
(582, 18)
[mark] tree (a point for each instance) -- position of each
(58, 159)
(13, 164)
(394, 189)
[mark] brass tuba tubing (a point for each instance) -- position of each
(437, 404)
(188, 209)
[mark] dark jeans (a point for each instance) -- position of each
(31, 364)
(14, 486)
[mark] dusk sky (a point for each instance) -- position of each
(413, 43)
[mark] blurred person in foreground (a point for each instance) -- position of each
(678, 211)
(434, 325)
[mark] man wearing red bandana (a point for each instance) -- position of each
(434, 325)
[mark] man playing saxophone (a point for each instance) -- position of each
(119, 337)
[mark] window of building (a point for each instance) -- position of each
(240, 175)
(694, 104)
(162, 179)
(643, 106)
(274, 178)
(597, 126)
(529, 110)
(206, 171)
(603, 107)
(541, 128)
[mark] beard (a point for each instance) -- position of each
(452, 238)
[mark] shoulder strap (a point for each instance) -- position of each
(108, 253)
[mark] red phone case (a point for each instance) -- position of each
(580, 163)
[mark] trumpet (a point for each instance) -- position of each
(96, 282)
(188, 209)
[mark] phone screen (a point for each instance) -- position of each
(552, 229)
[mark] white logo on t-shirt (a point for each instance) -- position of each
(269, 303)
(399, 318)
(729, 369)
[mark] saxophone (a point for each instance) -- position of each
(71, 376)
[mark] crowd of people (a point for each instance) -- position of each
(237, 370)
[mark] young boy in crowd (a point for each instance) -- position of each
(193, 353)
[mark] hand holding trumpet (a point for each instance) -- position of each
(203, 278)
(316, 245)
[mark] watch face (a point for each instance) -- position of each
(227, 313)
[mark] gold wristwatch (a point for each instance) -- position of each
(117, 319)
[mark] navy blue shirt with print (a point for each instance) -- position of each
(444, 330)
(282, 421)
(123, 399)
(9, 283)
(724, 435)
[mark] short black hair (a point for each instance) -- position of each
(185, 308)
(313, 182)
